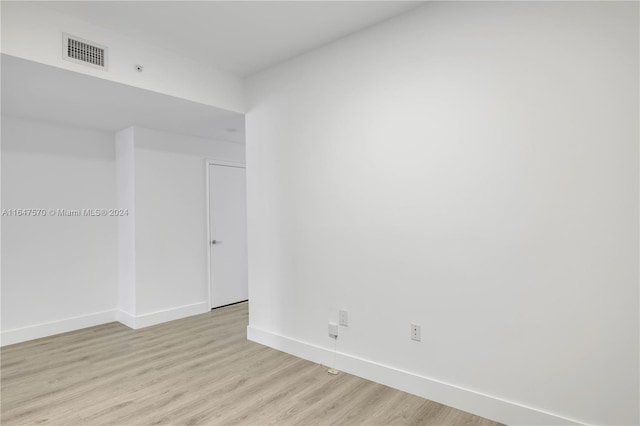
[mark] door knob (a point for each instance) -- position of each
(215, 241)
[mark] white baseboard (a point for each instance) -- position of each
(126, 318)
(158, 317)
(37, 331)
(477, 403)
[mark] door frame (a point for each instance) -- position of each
(208, 164)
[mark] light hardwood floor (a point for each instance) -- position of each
(198, 370)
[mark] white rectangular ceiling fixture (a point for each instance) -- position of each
(84, 52)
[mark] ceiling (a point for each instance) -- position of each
(242, 37)
(42, 92)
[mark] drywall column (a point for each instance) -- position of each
(162, 241)
(125, 184)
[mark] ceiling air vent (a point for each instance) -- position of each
(84, 52)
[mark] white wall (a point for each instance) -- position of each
(34, 32)
(470, 167)
(64, 273)
(125, 195)
(170, 219)
(55, 269)
(162, 172)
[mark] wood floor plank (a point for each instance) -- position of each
(199, 370)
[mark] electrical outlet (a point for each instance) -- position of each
(344, 317)
(415, 332)
(333, 330)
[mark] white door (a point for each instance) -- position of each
(228, 236)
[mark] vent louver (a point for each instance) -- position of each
(84, 52)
